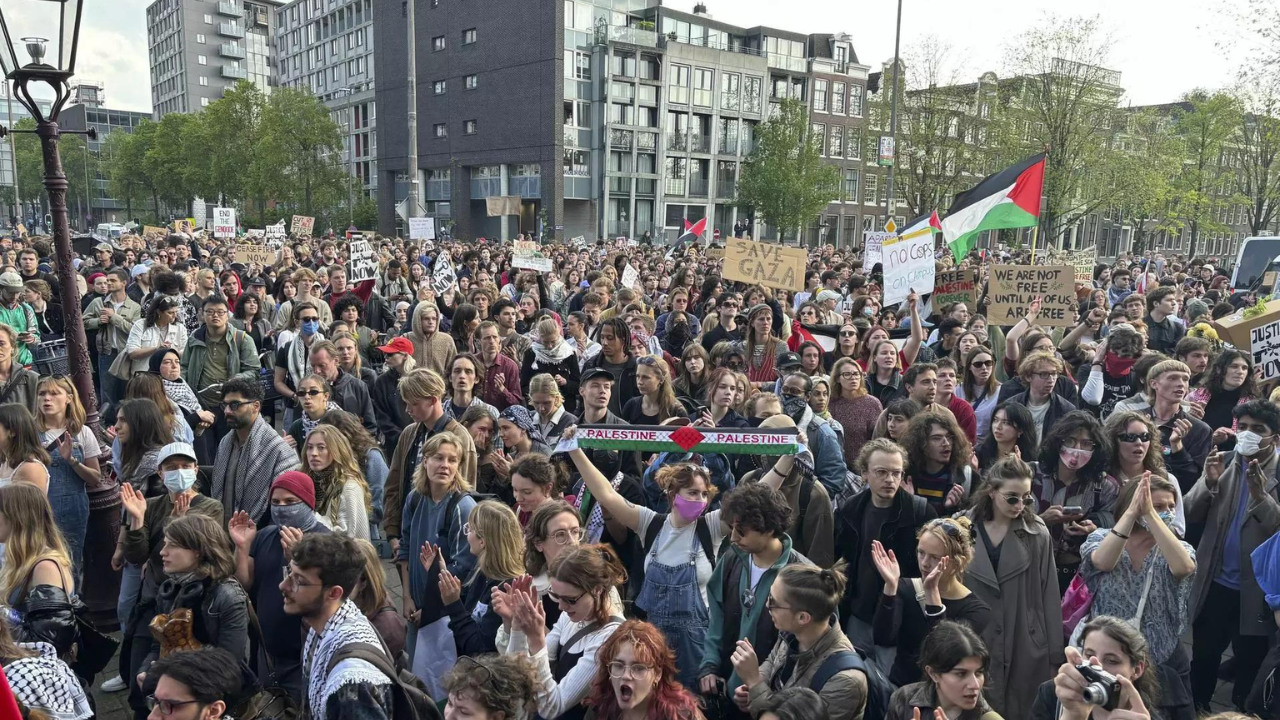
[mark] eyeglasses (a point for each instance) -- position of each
(235, 405)
(564, 537)
(1134, 437)
(167, 706)
(294, 582)
(982, 363)
(849, 375)
(884, 473)
(477, 663)
(618, 669)
(848, 334)
(1077, 444)
(309, 319)
(1046, 376)
(565, 599)
(311, 393)
(215, 313)
(771, 604)
(949, 527)
(1012, 499)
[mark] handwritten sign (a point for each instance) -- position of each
(529, 255)
(443, 276)
(873, 244)
(908, 265)
(630, 276)
(954, 286)
(715, 253)
(364, 264)
(422, 228)
(249, 254)
(1013, 287)
(1082, 261)
(302, 225)
(1264, 342)
(224, 222)
(153, 230)
(758, 263)
(275, 235)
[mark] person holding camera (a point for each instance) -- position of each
(1108, 678)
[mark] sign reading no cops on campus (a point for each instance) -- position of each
(908, 265)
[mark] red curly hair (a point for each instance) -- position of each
(668, 699)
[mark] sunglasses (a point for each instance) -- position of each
(982, 363)
(1134, 437)
(311, 393)
(1012, 499)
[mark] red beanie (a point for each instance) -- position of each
(299, 484)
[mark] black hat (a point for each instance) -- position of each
(257, 282)
(594, 373)
(788, 359)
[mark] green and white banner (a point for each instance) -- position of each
(662, 438)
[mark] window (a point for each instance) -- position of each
(820, 96)
(468, 127)
(730, 85)
(702, 87)
(204, 81)
(208, 19)
(622, 114)
(440, 130)
(870, 190)
(648, 117)
(648, 67)
(819, 137)
(837, 141)
(437, 43)
(471, 82)
(855, 100)
(837, 98)
(582, 68)
(199, 38)
(623, 64)
(679, 84)
(201, 59)
(204, 102)
(853, 148)
(851, 185)
(751, 99)
(468, 36)
(438, 87)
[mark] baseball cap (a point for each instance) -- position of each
(593, 373)
(828, 295)
(398, 345)
(788, 359)
(177, 449)
(257, 282)
(106, 247)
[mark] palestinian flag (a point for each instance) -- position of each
(1007, 199)
(662, 438)
(693, 231)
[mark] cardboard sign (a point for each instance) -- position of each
(715, 253)
(364, 264)
(152, 229)
(1013, 287)
(422, 228)
(1238, 330)
(275, 235)
(954, 286)
(1264, 343)
(529, 255)
(1082, 261)
(443, 276)
(224, 222)
(248, 254)
(1269, 280)
(22, 230)
(630, 276)
(873, 244)
(302, 225)
(908, 266)
(757, 263)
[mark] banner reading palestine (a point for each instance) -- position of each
(662, 438)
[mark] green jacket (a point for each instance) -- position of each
(22, 319)
(717, 647)
(242, 361)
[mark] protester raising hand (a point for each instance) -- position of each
(887, 565)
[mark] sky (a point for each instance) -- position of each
(1163, 48)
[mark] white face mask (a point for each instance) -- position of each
(1248, 443)
(179, 480)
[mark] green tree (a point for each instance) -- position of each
(223, 143)
(1256, 148)
(175, 170)
(785, 180)
(123, 158)
(1148, 157)
(75, 161)
(300, 157)
(1205, 123)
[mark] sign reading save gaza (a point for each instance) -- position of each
(767, 264)
(1013, 287)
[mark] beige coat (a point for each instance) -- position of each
(1024, 636)
(434, 352)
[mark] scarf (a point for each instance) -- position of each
(551, 356)
(182, 395)
(1117, 366)
(595, 521)
(263, 456)
(348, 625)
(523, 418)
(308, 424)
(43, 682)
(300, 359)
(328, 489)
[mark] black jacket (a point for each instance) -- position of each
(352, 395)
(47, 616)
(624, 387)
(221, 613)
(388, 408)
(898, 534)
(1057, 408)
(1065, 388)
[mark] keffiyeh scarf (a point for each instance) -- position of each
(45, 683)
(300, 358)
(308, 424)
(523, 418)
(348, 625)
(551, 356)
(182, 395)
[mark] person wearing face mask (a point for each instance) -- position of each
(1109, 378)
(142, 539)
(261, 556)
(1139, 569)
(293, 358)
(1236, 499)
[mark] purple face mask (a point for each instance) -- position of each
(689, 509)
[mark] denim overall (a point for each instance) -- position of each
(70, 503)
(674, 605)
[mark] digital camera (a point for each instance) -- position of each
(1103, 689)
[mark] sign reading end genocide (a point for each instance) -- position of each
(1013, 287)
(757, 263)
(954, 286)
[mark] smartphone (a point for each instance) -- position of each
(699, 409)
(1073, 510)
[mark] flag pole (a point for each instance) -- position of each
(1034, 231)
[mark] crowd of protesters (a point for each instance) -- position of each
(981, 520)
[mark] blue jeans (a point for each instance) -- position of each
(70, 503)
(130, 591)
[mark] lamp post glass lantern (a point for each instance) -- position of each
(39, 60)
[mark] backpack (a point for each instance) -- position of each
(701, 529)
(450, 508)
(731, 574)
(410, 699)
(879, 689)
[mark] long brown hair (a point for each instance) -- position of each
(75, 409)
(151, 387)
(1118, 423)
(34, 536)
(24, 439)
(205, 537)
(147, 432)
(536, 532)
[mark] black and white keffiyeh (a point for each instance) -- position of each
(45, 683)
(348, 625)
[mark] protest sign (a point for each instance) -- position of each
(248, 254)
(1082, 261)
(186, 226)
(758, 263)
(715, 253)
(908, 265)
(422, 228)
(152, 229)
(954, 286)
(873, 244)
(529, 255)
(630, 276)
(1013, 287)
(302, 225)
(255, 233)
(224, 222)
(364, 264)
(443, 276)
(1264, 342)
(275, 235)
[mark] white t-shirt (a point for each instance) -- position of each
(88, 441)
(1038, 414)
(674, 545)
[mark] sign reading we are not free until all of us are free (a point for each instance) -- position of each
(1014, 287)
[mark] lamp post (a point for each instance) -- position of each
(348, 92)
(53, 69)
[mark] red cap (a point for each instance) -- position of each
(398, 345)
(298, 483)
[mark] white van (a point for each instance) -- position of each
(111, 231)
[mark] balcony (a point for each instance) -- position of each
(675, 187)
(619, 185)
(633, 36)
(577, 137)
(787, 62)
(526, 186)
(728, 145)
(231, 50)
(620, 139)
(230, 9)
(698, 188)
(726, 189)
(732, 47)
(618, 228)
(235, 73)
(700, 143)
(230, 29)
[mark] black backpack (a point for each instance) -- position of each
(879, 689)
(701, 529)
(409, 696)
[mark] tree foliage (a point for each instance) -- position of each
(75, 161)
(1205, 124)
(785, 179)
(1147, 159)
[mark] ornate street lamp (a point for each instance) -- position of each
(38, 59)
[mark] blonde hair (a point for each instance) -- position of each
(347, 470)
(421, 384)
(421, 482)
(502, 556)
(545, 383)
(370, 594)
(1031, 362)
(354, 341)
(34, 536)
(957, 536)
(75, 409)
